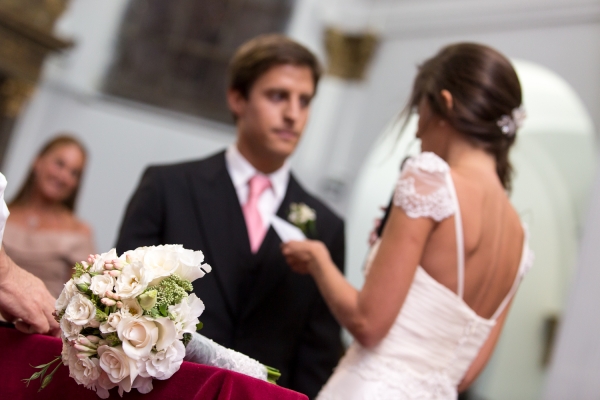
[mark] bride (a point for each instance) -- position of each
(440, 279)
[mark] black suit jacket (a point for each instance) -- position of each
(254, 303)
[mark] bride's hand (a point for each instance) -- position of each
(305, 257)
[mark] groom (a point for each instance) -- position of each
(222, 205)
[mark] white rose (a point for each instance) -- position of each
(190, 265)
(85, 371)
(65, 296)
(132, 281)
(185, 314)
(111, 323)
(138, 335)
(98, 265)
(102, 284)
(120, 369)
(81, 311)
(69, 330)
(163, 364)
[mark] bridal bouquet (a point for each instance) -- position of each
(127, 320)
(124, 320)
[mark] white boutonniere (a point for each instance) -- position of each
(303, 217)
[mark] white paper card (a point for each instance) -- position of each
(286, 231)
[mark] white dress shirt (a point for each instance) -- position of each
(240, 171)
(3, 209)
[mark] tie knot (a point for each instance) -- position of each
(258, 184)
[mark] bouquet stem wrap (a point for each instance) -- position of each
(202, 350)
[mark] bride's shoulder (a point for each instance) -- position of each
(427, 162)
(422, 188)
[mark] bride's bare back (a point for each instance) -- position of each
(493, 241)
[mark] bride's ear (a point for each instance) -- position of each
(448, 99)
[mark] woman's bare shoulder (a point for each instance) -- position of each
(82, 226)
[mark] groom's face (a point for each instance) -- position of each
(271, 119)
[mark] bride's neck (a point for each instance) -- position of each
(462, 152)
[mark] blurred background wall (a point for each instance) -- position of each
(129, 120)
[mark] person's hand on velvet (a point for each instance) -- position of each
(25, 300)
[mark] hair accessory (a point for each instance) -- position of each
(509, 124)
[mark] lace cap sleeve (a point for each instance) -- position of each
(422, 189)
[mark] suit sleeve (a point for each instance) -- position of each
(143, 221)
(321, 345)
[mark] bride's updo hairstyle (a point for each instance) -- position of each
(486, 96)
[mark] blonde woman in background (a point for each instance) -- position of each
(43, 235)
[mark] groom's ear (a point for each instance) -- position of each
(236, 102)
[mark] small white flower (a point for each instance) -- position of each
(132, 256)
(111, 323)
(161, 261)
(80, 311)
(69, 330)
(185, 314)
(104, 384)
(98, 265)
(301, 214)
(131, 307)
(85, 370)
(120, 369)
(163, 364)
(132, 281)
(167, 332)
(66, 352)
(190, 265)
(138, 335)
(102, 284)
(143, 385)
(85, 279)
(65, 296)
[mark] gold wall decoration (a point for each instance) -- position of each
(349, 54)
(13, 93)
(26, 38)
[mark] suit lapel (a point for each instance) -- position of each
(222, 224)
(273, 267)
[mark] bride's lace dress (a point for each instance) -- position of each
(436, 335)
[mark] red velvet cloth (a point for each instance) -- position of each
(193, 381)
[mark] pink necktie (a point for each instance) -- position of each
(256, 229)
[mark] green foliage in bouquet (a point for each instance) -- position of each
(46, 379)
(170, 291)
(272, 374)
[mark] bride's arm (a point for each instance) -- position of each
(369, 313)
(485, 353)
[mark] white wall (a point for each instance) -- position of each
(575, 366)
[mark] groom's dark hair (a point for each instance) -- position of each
(258, 55)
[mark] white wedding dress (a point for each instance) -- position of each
(436, 335)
